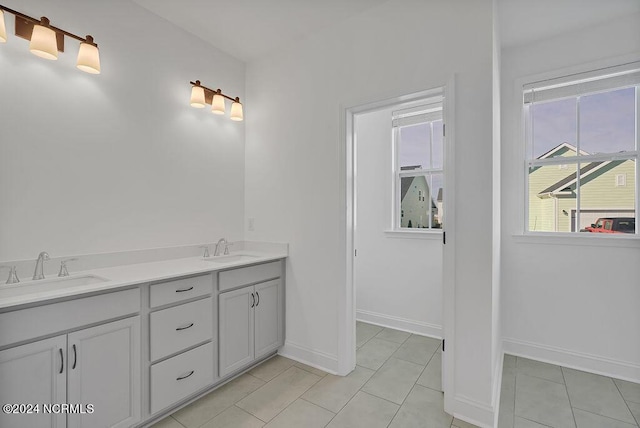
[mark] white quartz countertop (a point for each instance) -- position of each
(29, 292)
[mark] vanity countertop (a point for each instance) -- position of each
(112, 278)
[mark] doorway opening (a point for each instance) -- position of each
(399, 273)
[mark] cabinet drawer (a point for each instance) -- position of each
(179, 290)
(249, 275)
(25, 324)
(177, 328)
(180, 376)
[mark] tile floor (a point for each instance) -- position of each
(536, 394)
(396, 384)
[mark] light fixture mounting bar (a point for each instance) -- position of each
(209, 93)
(27, 21)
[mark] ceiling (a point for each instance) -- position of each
(526, 21)
(251, 29)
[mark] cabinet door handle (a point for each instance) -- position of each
(253, 300)
(258, 294)
(75, 356)
(61, 360)
(184, 377)
(184, 328)
(182, 290)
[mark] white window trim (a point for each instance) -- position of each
(566, 238)
(432, 115)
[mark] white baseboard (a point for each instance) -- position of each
(397, 323)
(311, 357)
(572, 359)
(474, 412)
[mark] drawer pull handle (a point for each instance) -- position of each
(253, 300)
(61, 360)
(258, 294)
(184, 377)
(184, 328)
(182, 290)
(75, 356)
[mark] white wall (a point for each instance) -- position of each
(398, 280)
(117, 161)
(294, 188)
(565, 300)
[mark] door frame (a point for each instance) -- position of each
(346, 358)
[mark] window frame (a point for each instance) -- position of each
(568, 77)
(435, 104)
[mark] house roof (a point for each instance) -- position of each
(405, 185)
(585, 173)
(567, 181)
(559, 147)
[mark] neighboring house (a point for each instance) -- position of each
(607, 189)
(415, 203)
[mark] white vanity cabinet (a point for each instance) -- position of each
(251, 315)
(98, 365)
(34, 373)
(181, 339)
(139, 352)
(103, 369)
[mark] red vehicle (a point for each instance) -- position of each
(613, 225)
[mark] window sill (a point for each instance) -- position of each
(577, 239)
(414, 234)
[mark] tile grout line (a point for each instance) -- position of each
(171, 416)
(248, 413)
(606, 417)
(385, 361)
(531, 420)
(287, 406)
(625, 402)
(412, 387)
(566, 388)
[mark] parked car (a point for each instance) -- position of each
(613, 225)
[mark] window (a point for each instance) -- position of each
(418, 134)
(581, 134)
(621, 180)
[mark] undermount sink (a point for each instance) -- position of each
(44, 285)
(231, 258)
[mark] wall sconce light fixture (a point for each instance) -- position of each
(46, 41)
(201, 96)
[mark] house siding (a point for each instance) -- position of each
(598, 191)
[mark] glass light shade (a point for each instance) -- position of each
(88, 58)
(217, 105)
(3, 29)
(236, 111)
(197, 97)
(43, 42)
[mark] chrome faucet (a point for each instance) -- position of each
(206, 251)
(226, 247)
(39, 272)
(64, 271)
(13, 275)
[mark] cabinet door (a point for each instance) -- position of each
(34, 374)
(104, 370)
(236, 329)
(268, 310)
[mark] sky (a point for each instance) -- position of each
(414, 145)
(416, 148)
(607, 123)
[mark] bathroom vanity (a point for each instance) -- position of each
(147, 340)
